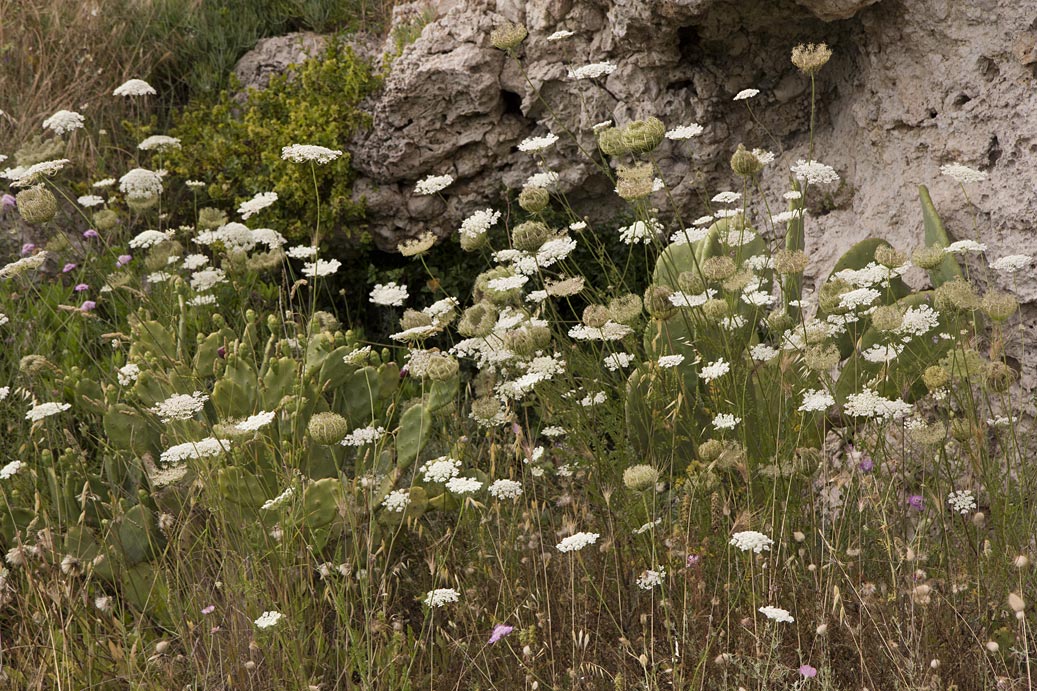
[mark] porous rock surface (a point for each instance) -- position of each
(913, 84)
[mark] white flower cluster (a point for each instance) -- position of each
(127, 374)
(44, 410)
(870, 404)
(390, 294)
(479, 222)
(268, 619)
(651, 578)
(306, 153)
(463, 485)
(441, 596)
(159, 142)
(816, 401)
(962, 174)
(814, 173)
(251, 207)
(180, 406)
(641, 231)
(281, 498)
(505, 489)
(63, 122)
(777, 614)
(577, 541)
(11, 469)
(534, 144)
(593, 70)
(747, 540)
(962, 501)
(140, 184)
(1011, 263)
(397, 501)
(255, 422)
(715, 370)
(440, 469)
(321, 267)
(134, 87)
(684, 132)
(433, 183)
(617, 361)
(194, 449)
(149, 238)
(363, 435)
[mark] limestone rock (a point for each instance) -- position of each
(273, 56)
(830, 10)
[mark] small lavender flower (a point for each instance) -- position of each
(91, 234)
(68, 267)
(27, 249)
(500, 631)
(87, 306)
(80, 287)
(916, 502)
(123, 260)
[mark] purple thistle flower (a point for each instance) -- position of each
(87, 306)
(68, 267)
(91, 234)
(808, 671)
(500, 631)
(124, 259)
(80, 287)
(915, 501)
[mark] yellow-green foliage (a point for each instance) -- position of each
(236, 148)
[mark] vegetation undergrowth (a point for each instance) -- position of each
(724, 480)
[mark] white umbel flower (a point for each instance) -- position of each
(651, 578)
(397, 501)
(777, 614)
(63, 122)
(816, 401)
(463, 485)
(441, 596)
(593, 70)
(159, 142)
(814, 173)
(255, 422)
(433, 184)
(305, 153)
(134, 87)
(531, 145)
(577, 541)
(251, 207)
(10, 470)
(753, 540)
(140, 184)
(962, 174)
(268, 619)
(684, 132)
(715, 370)
(746, 94)
(1012, 263)
(962, 501)
(180, 406)
(390, 294)
(505, 489)
(45, 410)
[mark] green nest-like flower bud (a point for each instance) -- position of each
(642, 136)
(327, 428)
(610, 141)
(657, 301)
(37, 205)
(635, 182)
(534, 199)
(595, 316)
(640, 477)
(529, 236)
(625, 309)
(441, 367)
(928, 257)
(210, 218)
(1000, 306)
(745, 163)
(508, 37)
(478, 320)
(811, 57)
(105, 220)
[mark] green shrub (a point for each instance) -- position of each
(230, 145)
